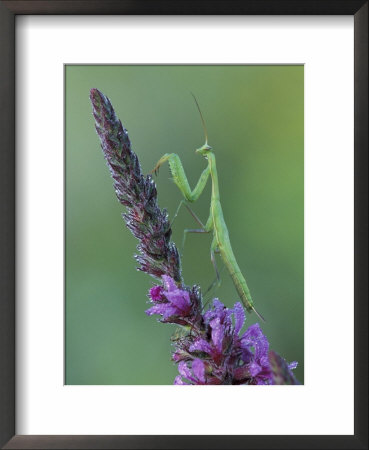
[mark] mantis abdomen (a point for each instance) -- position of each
(239, 282)
(223, 244)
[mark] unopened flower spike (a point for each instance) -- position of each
(148, 223)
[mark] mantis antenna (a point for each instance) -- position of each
(202, 119)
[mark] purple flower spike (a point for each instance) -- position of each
(215, 353)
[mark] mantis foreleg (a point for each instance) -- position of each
(180, 178)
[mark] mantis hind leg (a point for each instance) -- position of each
(191, 230)
(214, 249)
(203, 229)
(177, 211)
(217, 281)
(183, 202)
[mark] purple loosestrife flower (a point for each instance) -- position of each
(210, 349)
(171, 301)
(148, 223)
(213, 351)
(181, 306)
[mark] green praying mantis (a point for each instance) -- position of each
(221, 243)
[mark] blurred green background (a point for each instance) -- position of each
(255, 122)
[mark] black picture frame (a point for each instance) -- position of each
(8, 12)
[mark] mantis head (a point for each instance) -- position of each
(204, 149)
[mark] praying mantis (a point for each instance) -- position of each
(221, 243)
